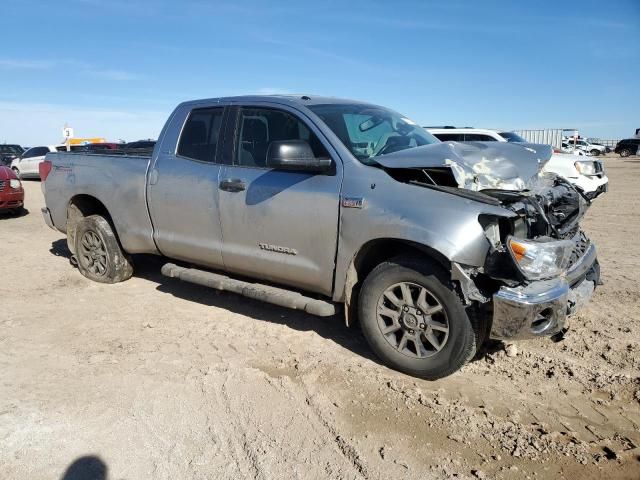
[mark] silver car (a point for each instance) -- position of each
(315, 202)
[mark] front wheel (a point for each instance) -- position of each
(595, 152)
(625, 152)
(414, 320)
(98, 252)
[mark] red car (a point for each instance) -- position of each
(11, 191)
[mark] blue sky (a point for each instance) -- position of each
(117, 68)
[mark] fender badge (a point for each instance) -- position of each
(353, 202)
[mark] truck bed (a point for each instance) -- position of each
(117, 181)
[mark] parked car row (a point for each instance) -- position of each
(589, 175)
(25, 163)
(142, 147)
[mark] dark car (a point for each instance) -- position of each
(140, 147)
(141, 144)
(8, 152)
(628, 146)
(98, 148)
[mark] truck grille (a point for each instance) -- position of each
(2, 183)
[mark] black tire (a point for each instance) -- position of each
(625, 152)
(456, 349)
(595, 152)
(98, 252)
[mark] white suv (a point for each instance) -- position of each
(587, 174)
(26, 165)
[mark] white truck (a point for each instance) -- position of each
(585, 146)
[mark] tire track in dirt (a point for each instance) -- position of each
(266, 427)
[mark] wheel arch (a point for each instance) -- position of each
(376, 251)
(79, 207)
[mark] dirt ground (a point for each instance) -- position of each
(153, 378)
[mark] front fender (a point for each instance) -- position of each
(391, 209)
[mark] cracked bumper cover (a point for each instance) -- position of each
(541, 308)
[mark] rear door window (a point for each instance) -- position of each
(201, 134)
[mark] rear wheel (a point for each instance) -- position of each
(414, 320)
(625, 152)
(98, 252)
(595, 152)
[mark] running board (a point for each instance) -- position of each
(256, 291)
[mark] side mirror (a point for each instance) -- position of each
(295, 155)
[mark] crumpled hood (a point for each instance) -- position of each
(477, 165)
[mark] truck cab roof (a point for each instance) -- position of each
(298, 99)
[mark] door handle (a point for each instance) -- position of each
(232, 185)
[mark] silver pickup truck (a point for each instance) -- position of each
(433, 246)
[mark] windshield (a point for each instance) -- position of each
(369, 131)
(512, 137)
(11, 149)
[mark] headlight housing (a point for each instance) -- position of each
(15, 183)
(587, 168)
(538, 260)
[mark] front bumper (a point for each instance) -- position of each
(603, 188)
(10, 199)
(592, 186)
(541, 308)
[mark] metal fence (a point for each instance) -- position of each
(547, 136)
(553, 136)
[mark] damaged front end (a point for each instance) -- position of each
(540, 266)
(556, 268)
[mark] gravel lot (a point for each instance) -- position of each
(161, 379)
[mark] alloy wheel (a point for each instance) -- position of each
(412, 320)
(93, 253)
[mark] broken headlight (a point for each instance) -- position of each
(538, 260)
(587, 168)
